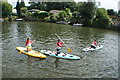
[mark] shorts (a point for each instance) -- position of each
(58, 50)
(28, 47)
(93, 46)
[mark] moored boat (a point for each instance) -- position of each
(77, 24)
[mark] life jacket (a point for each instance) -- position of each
(94, 43)
(28, 43)
(59, 44)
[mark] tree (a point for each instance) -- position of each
(52, 5)
(40, 15)
(119, 15)
(18, 8)
(37, 5)
(21, 9)
(111, 12)
(119, 12)
(67, 10)
(76, 18)
(102, 19)
(76, 14)
(22, 4)
(6, 9)
(53, 18)
(24, 12)
(78, 6)
(70, 5)
(87, 11)
(62, 16)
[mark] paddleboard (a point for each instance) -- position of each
(61, 55)
(31, 53)
(92, 49)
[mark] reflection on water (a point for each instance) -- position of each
(96, 64)
(56, 62)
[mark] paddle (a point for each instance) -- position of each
(33, 41)
(20, 52)
(69, 50)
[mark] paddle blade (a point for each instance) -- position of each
(19, 53)
(69, 50)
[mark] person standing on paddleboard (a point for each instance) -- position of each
(94, 44)
(28, 44)
(59, 45)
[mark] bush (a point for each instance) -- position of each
(53, 18)
(47, 19)
(40, 15)
(6, 9)
(43, 15)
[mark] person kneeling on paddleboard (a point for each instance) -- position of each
(59, 45)
(94, 44)
(28, 44)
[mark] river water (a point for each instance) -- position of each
(102, 63)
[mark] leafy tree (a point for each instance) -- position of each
(102, 19)
(111, 12)
(40, 15)
(76, 18)
(37, 5)
(70, 5)
(119, 12)
(6, 9)
(25, 12)
(52, 5)
(62, 16)
(68, 12)
(21, 9)
(78, 6)
(87, 11)
(76, 14)
(53, 18)
(22, 4)
(119, 15)
(18, 8)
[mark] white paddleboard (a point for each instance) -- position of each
(92, 49)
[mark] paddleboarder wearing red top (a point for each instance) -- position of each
(28, 44)
(94, 44)
(59, 45)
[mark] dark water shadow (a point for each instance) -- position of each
(57, 62)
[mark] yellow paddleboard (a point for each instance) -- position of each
(31, 53)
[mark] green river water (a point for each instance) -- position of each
(102, 63)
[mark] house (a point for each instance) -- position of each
(36, 10)
(113, 17)
(33, 10)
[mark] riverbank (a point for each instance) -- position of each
(114, 26)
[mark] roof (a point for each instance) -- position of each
(112, 16)
(33, 10)
(55, 11)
